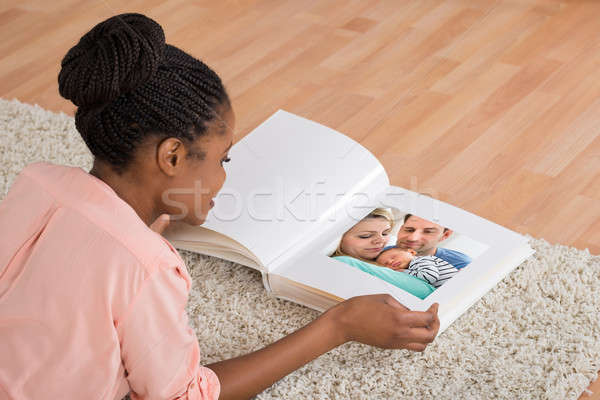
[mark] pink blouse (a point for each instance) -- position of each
(92, 301)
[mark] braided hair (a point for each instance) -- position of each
(128, 84)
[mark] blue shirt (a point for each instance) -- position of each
(411, 284)
(456, 258)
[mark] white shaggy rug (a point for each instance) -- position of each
(535, 336)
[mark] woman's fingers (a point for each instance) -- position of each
(380, 320)
(421, 335)
(393, 302)
(417, 318)
(161, 223)
(418, 328)
(388, 299)
(415, 346)
(434, 308)
(435, 325)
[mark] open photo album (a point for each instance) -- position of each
(314, 212)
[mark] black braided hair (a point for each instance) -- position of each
(128, 84)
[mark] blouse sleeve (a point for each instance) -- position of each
(159, 349)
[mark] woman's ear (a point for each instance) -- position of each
(172, 153)
(169, 153)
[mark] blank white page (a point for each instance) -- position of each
(287, 178)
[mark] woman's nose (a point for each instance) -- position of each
(377, 239)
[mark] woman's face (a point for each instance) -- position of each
(190, 194)
(367, 238)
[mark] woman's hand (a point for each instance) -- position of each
(161, 223)
(379, 320)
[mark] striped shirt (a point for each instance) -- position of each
(431, 269)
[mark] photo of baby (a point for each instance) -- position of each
(406, 250)
(431, 269)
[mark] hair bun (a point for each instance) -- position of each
(115, 57)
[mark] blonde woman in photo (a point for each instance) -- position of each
(360, 246)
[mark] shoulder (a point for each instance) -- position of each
(91, 207)
(443, 252)
(454, 257)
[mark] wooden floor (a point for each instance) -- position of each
(493, 106)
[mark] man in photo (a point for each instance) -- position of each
(424, 236)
